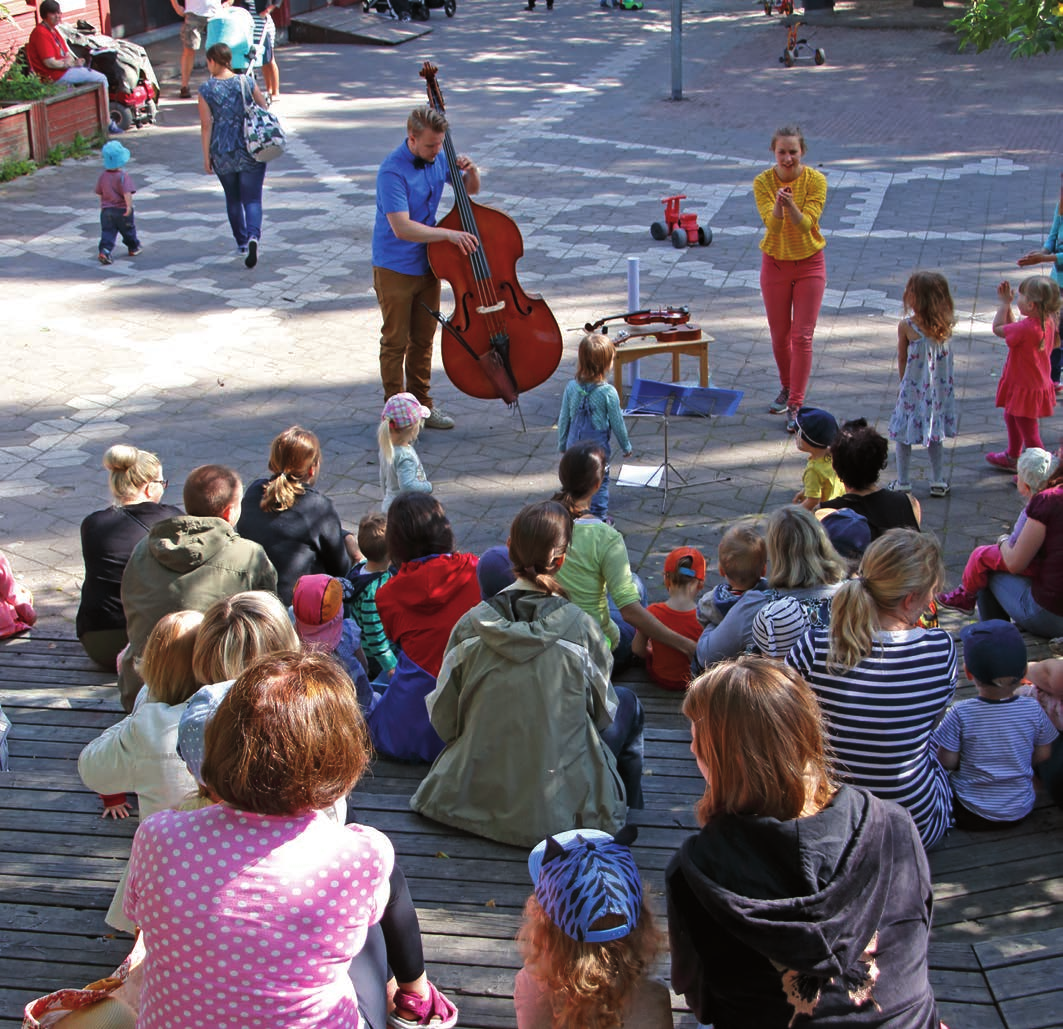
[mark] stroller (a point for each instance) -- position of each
(132, 88)
(410, 10)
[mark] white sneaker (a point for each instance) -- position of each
(438, 420)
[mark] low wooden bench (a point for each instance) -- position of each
(995, 948)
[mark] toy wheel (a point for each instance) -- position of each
(658, 231)
(449, 7)
(821, 57)
(151, 112)
(679, 239)
(704, 236)
(767, 7)
(367, 6)
(121, 115)
(788, 57)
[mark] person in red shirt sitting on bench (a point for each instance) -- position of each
(49, 55)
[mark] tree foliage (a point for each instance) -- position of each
(1028, 26)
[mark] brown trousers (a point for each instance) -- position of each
(407, 332)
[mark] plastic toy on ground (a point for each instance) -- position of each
(681, 228)
(799, 49)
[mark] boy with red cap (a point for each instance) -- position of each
(684, 575)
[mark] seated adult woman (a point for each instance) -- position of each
(1033, 602)
(597, 574)
(859, 453)
(800, 902)
(883, 681)
(802, 564)
(296, 526)
(108, 537)
(235, 634)
(529, 666)
(286, 741)
(418, 606)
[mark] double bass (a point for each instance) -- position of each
(500, 341)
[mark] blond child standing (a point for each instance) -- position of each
(1025, 390)
(816, 431)
(684, 575)
(400, 467)
(590, 410)
(115, 189)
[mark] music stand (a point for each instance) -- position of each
(649, 398)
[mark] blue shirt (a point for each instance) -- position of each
(400, 186)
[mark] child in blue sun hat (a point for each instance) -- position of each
(115, 189)
(588, 939)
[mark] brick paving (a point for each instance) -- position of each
(933, 159)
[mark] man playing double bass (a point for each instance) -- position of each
(409, 186)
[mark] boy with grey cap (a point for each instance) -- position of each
(990, 743)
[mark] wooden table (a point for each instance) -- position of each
(636, 349)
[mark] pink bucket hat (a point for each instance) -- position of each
(404, 410)
(317, 604)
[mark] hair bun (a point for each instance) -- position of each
(120, 457)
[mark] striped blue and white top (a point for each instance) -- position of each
(995, 741)
(880, 715)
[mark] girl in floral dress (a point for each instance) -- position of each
(926, 406)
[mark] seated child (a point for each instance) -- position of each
(742, 560)
(16, 603)
(684, 575)
(494, 571)
(849, 533)
(589, 941)
(139, 753)
(1035, 467)
(778, 625)
(359, 594)
(991, 742)
(317, 610)
(816, 430)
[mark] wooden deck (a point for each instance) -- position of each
(996, 949)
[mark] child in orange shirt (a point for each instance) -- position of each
(684, 575)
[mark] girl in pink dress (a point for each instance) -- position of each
(1025, 390)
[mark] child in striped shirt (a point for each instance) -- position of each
(991, 742)
(359, 594)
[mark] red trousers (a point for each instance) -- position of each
(793, 293)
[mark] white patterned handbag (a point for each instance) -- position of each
(263, 132)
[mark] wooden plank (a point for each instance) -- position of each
(1026, 980)
(1024, 947)
(1045, 1011)
(970, 1016)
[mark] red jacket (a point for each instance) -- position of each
(423, 601)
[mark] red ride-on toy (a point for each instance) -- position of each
(682, 229)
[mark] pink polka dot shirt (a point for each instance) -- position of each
(252, 920)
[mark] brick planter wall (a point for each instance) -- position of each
(31, 130)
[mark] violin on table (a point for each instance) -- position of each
(500, 341)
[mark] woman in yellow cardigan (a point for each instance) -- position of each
(793, 275)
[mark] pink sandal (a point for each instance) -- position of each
(434, 1010)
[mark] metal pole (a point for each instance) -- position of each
(633, 290)
(677, 49)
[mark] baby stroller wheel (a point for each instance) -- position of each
(367, 6)
(449, 7)
(151, 112)
(121, 115)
